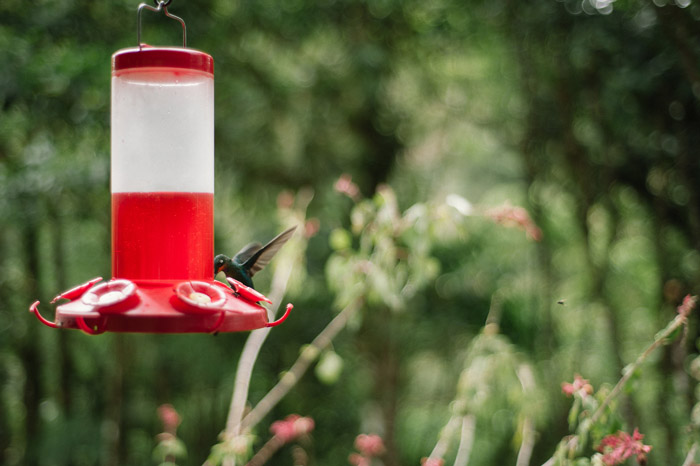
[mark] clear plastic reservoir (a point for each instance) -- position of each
(162, 164)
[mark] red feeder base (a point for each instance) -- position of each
(160, 306)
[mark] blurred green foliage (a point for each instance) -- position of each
(585, 112)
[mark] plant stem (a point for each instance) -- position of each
(691, 455)
(250, 352)
(266, 452)
(527, 444)
(466, 440)
(249, 355)
(309, 354)
(446, 435)
(527, 381)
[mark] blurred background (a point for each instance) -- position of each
(585, 112)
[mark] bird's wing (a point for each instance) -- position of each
(246, 253)
(262, 257)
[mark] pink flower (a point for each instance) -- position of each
(432, 462)
(357, 459)
(616, 448)
(687, 306)
(344, 185)
(580, 386)
(369, 445)
(285, 200)
(511, 216)
(291, 427)
(169, 417)
(311, 227)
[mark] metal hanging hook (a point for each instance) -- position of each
(160, 5)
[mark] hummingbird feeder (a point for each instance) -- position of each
(162, 187)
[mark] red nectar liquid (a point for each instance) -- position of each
(162, 235)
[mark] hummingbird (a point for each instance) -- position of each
(251, 259)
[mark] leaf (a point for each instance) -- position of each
(574, 412)
(597, 460)
(329, 367)
(583, 429)
(340, 239)
(631, 384)
(672, 335)
(695, 415)
(170, 447)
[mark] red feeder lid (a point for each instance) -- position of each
(167, 57)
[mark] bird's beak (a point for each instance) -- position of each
(220, 268)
